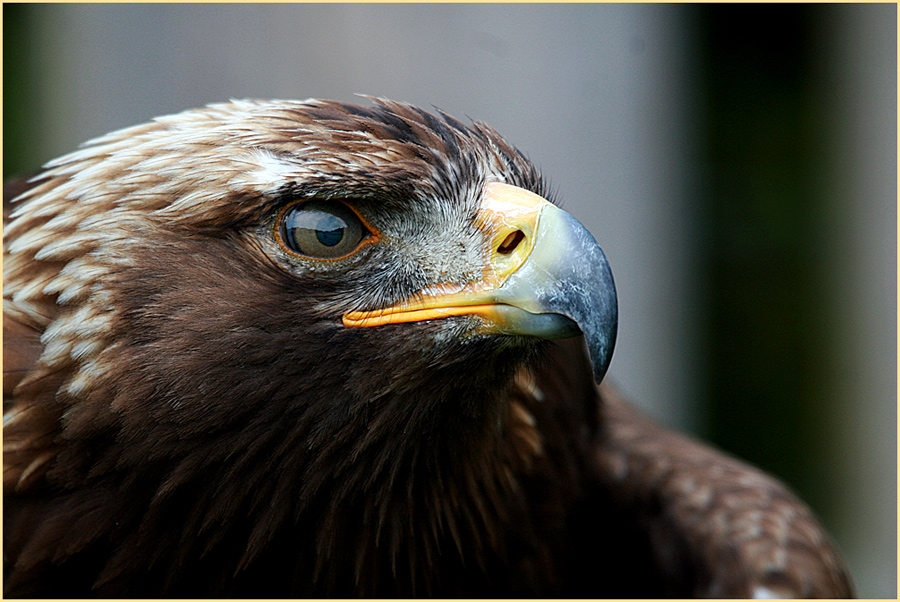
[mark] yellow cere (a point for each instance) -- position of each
(505, 210)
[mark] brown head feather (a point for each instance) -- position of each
(132, 259)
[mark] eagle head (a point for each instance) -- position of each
(291, 324)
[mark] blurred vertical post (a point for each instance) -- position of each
(19, 156)
(858, 184)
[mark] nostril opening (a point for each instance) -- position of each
(510, 243)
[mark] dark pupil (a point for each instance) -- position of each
(330, 230)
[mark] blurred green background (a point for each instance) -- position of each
(736, 162)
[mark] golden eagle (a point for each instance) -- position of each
(291, 349)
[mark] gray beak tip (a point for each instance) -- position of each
(586, 291)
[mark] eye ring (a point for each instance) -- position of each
(322, 230)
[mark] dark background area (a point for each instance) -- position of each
(763, 139)
(736, 162)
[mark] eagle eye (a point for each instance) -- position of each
(321, 229)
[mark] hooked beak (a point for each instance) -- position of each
(546, 277)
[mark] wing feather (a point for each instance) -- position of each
(737, 530)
